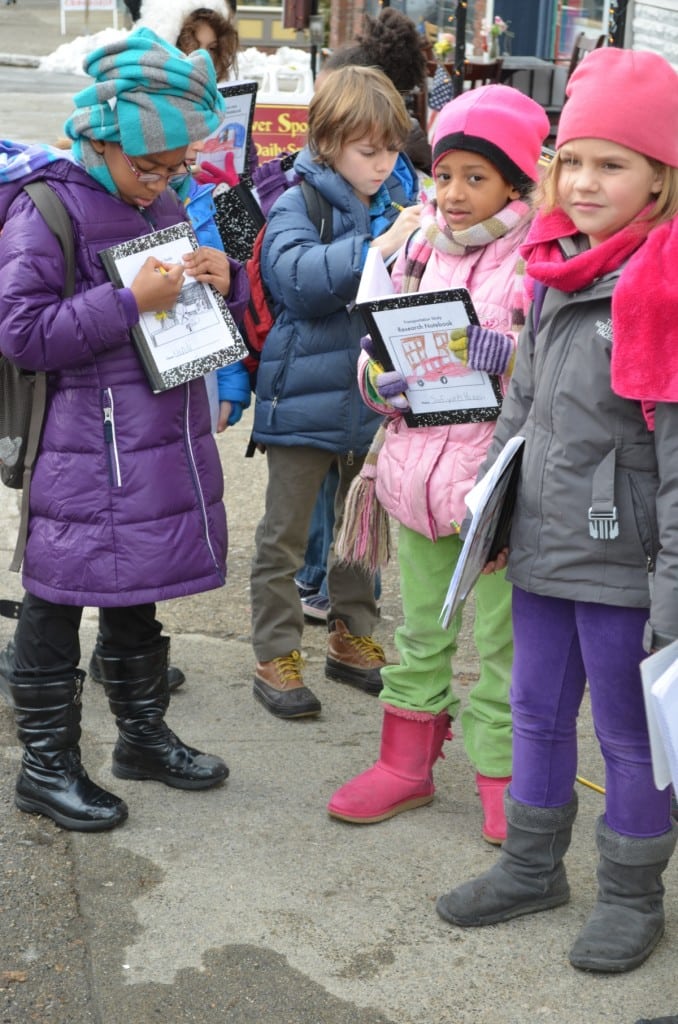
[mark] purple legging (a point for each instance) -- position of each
(558, 645)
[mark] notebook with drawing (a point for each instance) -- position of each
(411, 332)
(193, 337)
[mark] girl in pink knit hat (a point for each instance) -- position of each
(593, 554)
(485, 151)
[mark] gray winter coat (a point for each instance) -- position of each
(596, 517)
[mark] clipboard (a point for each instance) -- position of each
(491, 503)
(411, 332)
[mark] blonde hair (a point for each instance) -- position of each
(354, 103)
(665, 207)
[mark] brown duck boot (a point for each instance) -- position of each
(356, 660)
(279, 686)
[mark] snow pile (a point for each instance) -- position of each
(68, 57)
(283, 76)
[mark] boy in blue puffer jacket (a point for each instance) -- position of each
(308, 412)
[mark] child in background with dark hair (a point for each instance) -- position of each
(485, 150)
(308, 411)
(593, 553)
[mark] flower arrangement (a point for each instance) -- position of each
(497, 29)
(444, 45)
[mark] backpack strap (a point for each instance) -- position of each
(56, 217)
(319, 210)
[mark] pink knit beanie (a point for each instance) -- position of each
(625, 96)
(498, 122)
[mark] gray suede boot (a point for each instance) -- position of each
(529, 875)
(627, 921)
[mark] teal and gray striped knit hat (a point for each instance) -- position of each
(147, 96)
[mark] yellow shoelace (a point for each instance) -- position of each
(289, 667)
(367, 647)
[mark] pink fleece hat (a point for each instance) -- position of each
(625, 96)
(498, 122)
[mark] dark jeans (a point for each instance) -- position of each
(47, 635)
(559, 645)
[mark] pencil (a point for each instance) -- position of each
(397, 206)
(591, 785)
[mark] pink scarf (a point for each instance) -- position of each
(644, 302)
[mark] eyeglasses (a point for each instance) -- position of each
(152, 177)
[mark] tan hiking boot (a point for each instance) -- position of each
(356, 660)
(279, 686)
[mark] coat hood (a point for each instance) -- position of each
(166, 17)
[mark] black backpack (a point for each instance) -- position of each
(23, 395)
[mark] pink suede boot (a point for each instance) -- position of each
(402, 778)
(491, 793)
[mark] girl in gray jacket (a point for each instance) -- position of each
(593, 553)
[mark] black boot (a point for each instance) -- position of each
(147, 748)
(529, 875)
(175, 677)
(52, 780)
(627, 921)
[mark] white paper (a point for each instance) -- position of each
(659, 674)
(375, 281)
(193, 325)
(473, 556)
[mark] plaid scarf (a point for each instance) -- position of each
(435, 234)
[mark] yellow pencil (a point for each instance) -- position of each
(397, 206)
(591, 785)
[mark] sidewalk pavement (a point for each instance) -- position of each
(30, 30)
(248, 904)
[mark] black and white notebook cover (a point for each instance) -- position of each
(193, 337)
(411, 332)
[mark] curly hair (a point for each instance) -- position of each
(392, 43)
(228, 42)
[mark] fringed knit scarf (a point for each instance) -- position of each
(644, 302)
(364, 537)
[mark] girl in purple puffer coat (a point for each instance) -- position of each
(126, 498)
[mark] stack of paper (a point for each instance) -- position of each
(659, 674)
(491, 505)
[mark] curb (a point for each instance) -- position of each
(20, 60)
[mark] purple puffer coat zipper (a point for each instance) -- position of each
(126, 501)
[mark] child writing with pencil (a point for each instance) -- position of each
(308, 412)
(593, 553)
(126, 501)
(485, 152)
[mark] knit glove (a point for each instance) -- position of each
(389, 385)
(210, 174)
(481, 349)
